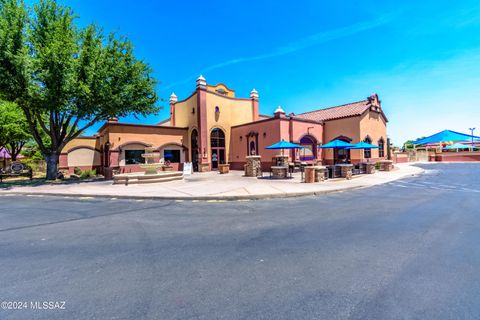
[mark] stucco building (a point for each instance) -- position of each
(212, 126)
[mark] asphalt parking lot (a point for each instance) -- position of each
(408, 249)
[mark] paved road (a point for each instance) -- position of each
(405, 250)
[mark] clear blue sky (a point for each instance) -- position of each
(421, 57)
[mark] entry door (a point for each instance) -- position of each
(218, 157)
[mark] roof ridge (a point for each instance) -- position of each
(328, 108)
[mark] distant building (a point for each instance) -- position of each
(212, 126)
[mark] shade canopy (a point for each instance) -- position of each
(337, 144)
(285, 145)
(363, 145)
(4, 153)
(444, 136)
(457, 146)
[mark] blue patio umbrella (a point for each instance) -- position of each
(363, 145)
(337, 144)
(284, 145)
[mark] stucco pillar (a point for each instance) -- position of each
(114, 158)
(254, 97)
(202, 124)
(173, 101)
(63, 161)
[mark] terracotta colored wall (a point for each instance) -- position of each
(349, 127)
(269, 132)
(373, 124)
(400, 157)
(301, 129)
(238, 148)
(156, 136)
(465, 156)
(232, 112)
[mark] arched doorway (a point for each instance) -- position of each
(194, 149)
(342, 155)
(217, 147)
(309, 152)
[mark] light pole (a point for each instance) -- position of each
(471, 130)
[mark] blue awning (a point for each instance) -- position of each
(444, 136)
(363, 145)
(337, 144)
(285, 145)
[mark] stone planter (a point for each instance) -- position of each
(279, 172)
(167, 168)
(223, 168)
(253, 167)
(386, 165)
(309, 174)
(369, 168)
(320, 173)
(346, 170)
(204, 167)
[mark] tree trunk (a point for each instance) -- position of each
(52, 165)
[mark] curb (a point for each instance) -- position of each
(187, 198)
(208, 198)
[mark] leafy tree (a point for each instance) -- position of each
(14, 130)
(66, 78)
(409, 143)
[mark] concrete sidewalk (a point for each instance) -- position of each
(213, 186)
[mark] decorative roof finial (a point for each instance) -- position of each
(254, 94)
(201, 82)
(173, 98)
(279, 110)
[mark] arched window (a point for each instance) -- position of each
(309, 150)
(253, 149)
(367, 153)
(217, 147)
(217, 138)
(381, 148)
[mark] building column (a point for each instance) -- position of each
(63, 161)
(173, 101)
(204, 161)
(254, 97)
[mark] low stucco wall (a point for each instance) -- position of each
(465, 156)
(400, 157)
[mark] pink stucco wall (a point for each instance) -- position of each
(269, 132)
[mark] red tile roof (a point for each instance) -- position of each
(343, 111)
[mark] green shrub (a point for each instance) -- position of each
(377, 165)
(88, 174)
(77, 171)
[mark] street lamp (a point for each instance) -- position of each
(471, 130)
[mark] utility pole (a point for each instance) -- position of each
(471, 130)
